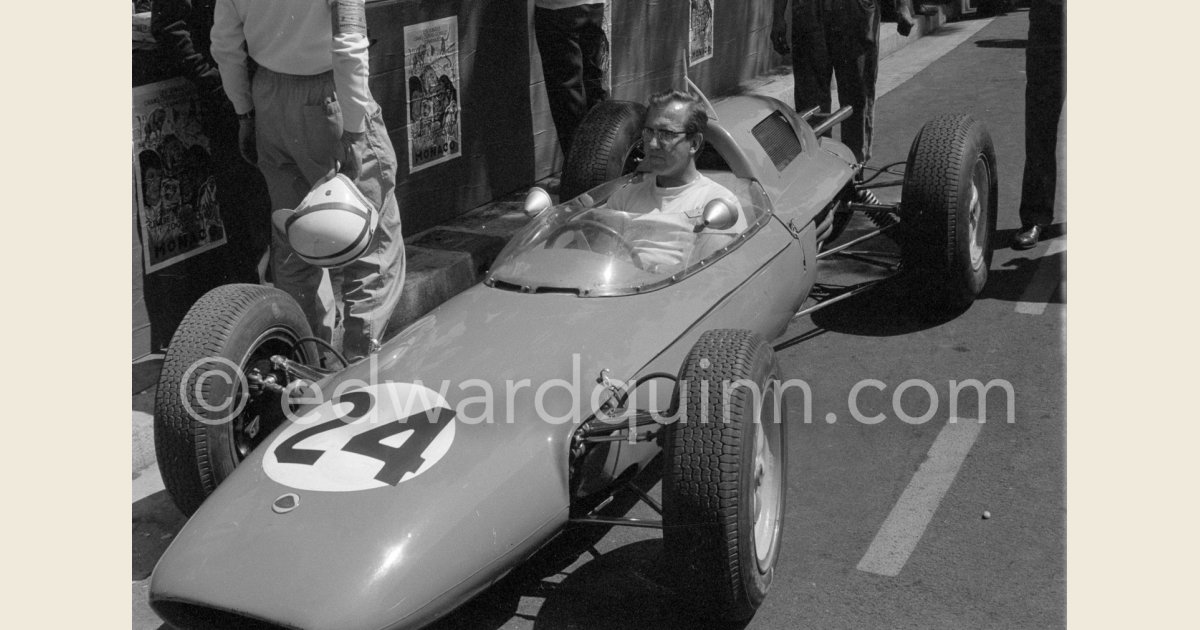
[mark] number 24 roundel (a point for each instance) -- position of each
(374, 437)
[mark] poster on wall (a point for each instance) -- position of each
(700, 31)
(434, 116)
(174, 187)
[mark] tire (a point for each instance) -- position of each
(724, 485)
(948, 209)
(201, 436)
(607, 145)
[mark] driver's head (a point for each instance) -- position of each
(672, 136)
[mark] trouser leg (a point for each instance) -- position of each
(1044, 95)
(558, 42)
(812, 67)
(297, 127)
(241, 195)
(856, 63)
(593, 44)
(371, 285)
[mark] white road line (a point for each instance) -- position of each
(910, 516)
(1044, 283)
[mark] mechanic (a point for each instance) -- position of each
(573, 48)
(670, 199)
(1045, 92)
(306, 107)
(837, 37)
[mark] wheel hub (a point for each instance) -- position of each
(766, 497)
(977, 223)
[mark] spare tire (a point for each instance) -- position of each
(607, 145)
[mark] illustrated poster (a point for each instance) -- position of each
(700, 31)
(176, 193)
(434, 116)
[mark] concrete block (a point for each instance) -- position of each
(482, 247)
(432, 276)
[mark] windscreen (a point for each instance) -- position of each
(585, 247)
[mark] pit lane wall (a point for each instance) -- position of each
(507, 135)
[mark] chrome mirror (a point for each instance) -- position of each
(536, 200)
(718, 215)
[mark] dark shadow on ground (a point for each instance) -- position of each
(625, 588)
(1001, 43)
(156, 521)
(1009, 281)
(899, 305)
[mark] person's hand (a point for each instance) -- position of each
(354, 143)
(246, 140)
(779, 38)
(905, 20)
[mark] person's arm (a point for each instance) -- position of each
(169, 23)
(779, 27)
(351, 71)
(229, 51)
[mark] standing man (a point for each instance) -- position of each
(1044, 95)
(573, 48)
(837, 38)
(304, 108)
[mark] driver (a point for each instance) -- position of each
(670, 200)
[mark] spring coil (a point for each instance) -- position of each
(881, 218)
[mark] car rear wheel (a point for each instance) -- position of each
(726, 475)
(607, 145)
(207, 418)
(948, 207)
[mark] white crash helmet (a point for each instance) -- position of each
(332, 226)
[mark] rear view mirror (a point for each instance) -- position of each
(718, 215)
(536, 200)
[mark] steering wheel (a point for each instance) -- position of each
(583, 224)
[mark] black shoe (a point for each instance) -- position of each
(1027, 237)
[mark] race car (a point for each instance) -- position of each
(386, 493)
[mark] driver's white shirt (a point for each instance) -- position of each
(663, 234)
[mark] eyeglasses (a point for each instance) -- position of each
(663, 136)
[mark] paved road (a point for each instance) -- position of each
(885, 523)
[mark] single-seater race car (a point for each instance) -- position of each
(386, 493)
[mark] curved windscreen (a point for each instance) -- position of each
(585, 247)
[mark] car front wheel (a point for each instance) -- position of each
(724, 489)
